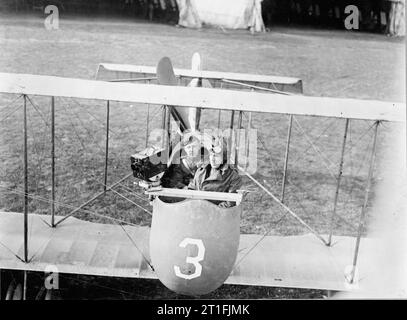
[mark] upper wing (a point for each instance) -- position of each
(202, 97)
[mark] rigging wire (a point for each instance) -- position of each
(16, 191)
(11, 113)
(84, 148)
(39, 155)
(44, 243)
(62, 142)
(349, 148)
(260, 138)
(333, 122)
(132, 192)
(80, 140)
(118, 221)
(282, 205)
(94, 117)
(136, 204)
(2, 108)
(89, 134)
(368, 146)
(76, 132)
(12, 252)
(257, 87)
(276, 177)
(325, 161)
(289, 181)
(273, 224)
(134, 243)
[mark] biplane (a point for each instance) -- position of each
(193, 246)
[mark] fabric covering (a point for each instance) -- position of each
(231, 14)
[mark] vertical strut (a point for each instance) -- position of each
(220, 110)
(239, 121)
(53, 162)
(338, 182)
(25, 285)
(107, 143)
(148, 124)
(239, 126)
(247, 134)
(231, 138)
(287, 151)
(168, 129)
(249, 127)
(25, 182)
(232, 119)
(219, 117)
(363, 212)
(163, 122)
(148, 120)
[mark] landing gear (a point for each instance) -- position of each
(14, 286)
(48, 294)
(52, 294)
(14, 291)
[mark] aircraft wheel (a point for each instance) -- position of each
(45, 294)
(14, 291)
(52, 294)
(10, 290)
(18, 292)
(40, 294)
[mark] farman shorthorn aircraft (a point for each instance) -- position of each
(193, 245)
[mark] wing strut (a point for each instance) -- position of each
(287, 151)
(25, 182)
(338, 181)
(107, 144)
(53, 161)
(363, 213)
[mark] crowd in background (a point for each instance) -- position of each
(386, 16)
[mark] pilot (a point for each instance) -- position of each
(181, 172)
(217, 175)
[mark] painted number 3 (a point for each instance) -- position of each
(192, 260)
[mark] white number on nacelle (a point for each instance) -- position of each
(192, 260)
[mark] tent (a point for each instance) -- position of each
(230, 14)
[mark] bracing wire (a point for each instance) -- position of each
(2, 108)
(134, 243)
(329, 126)
(273, 224)
(287, 209)
(77, 134)
(11, 113)
(325, 160)
(66, 206)
(84, 148)
(118, 221)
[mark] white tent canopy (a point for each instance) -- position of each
(231, 14)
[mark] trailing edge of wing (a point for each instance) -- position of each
(202, 97)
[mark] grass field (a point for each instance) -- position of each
(330, 63)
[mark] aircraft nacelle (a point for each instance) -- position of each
(193, 244)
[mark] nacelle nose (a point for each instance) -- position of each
(194, 244)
